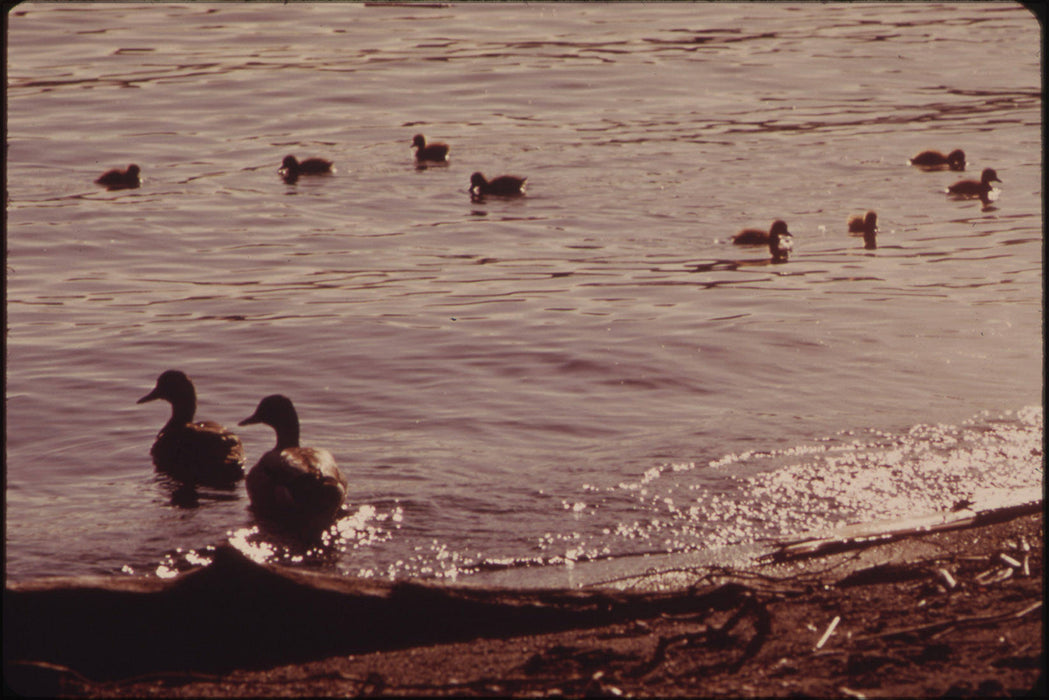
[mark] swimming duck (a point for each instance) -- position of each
(867, 224)
(781, 242)
(201, 452)
(504, 185)
(974, 188)
(300, 487)
(756, 236)
(436, 152)
(291, 168)
(117, 179)
(934, 160)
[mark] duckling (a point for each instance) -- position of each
(201, 452)
(435, 152)
(503, 186)
(291, 168)
(117, 179)
(295, 486)
(781, 242)
(975, 188)
(934, 160)
(756, 236)
(867, 224)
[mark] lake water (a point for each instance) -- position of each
(590, 371)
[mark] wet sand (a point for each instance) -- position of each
(956, 612)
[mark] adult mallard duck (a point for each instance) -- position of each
(201, 452)
(298, 487)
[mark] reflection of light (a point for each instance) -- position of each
(165, 571)
(259, 552)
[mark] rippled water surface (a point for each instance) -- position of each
(591, 370)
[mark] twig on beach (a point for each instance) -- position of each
(1009, 560)
(947, 578)
(830, 630)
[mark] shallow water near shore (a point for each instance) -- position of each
(590, 371)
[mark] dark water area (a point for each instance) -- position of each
(591, 370)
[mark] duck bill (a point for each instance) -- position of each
(151, 396)
(250, 420)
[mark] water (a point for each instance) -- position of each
(590, 371)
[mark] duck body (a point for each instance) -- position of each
(502, 186)
(291, 168)
(751, 236)
(298, 487)
(193, 452)
(934, 160)
(117, 179)
(781, 242)
(434, 152)
(866, 224)
(975, 188)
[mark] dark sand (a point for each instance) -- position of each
(952, 613)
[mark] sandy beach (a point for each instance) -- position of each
(955, 613)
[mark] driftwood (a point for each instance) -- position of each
(239, 614)
(867, 536)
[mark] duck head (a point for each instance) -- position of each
(419, 141)
(956, 159)
(870, 221)
(278, 412)
(779, 228)
(988, 176)
(175, 387)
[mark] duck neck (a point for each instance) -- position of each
(288, 434)
(183, 407)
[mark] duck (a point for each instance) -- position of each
(298, 487)
(757, 236)
(503, 186)
(193, 452)
(975, 188)
(867, 224)
(781, 242)
(435, 152)
(117, 179)
(934, 160)
(291, 168)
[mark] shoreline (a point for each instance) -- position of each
(957, 611)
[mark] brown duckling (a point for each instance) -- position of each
(867, 224)
(117, 179)
(200, 452)
(757, 236)
(297, 487)
(975, 188)
(934, 160)
(434, 152)
(503, 186)
(291, 168)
